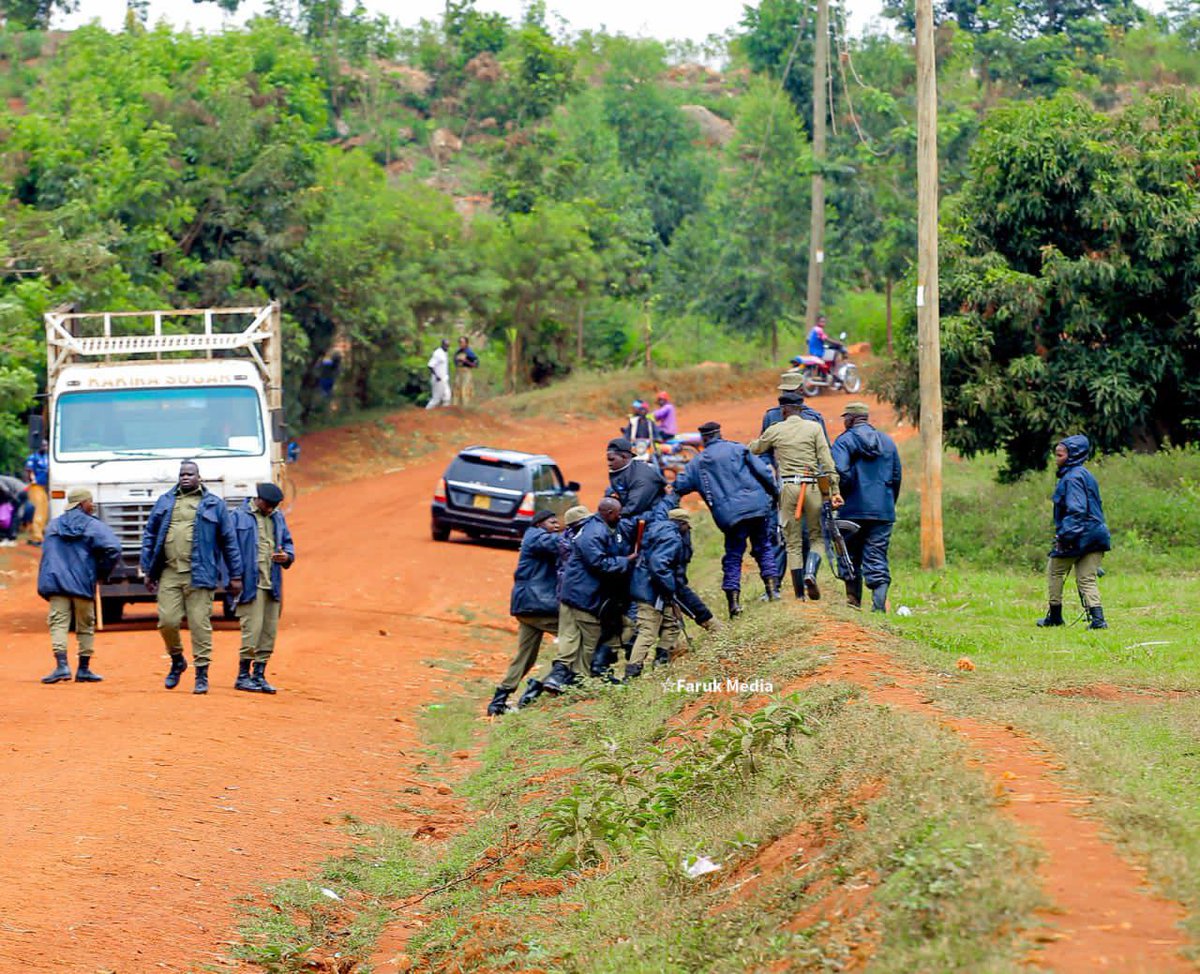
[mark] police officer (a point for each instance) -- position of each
(640, 488)
(801, 455)
(868, 467)
(597, 571)
(79, 549)
(266, 547)
(654, 587)
(740, 491)
(187, 534)
(534, 602)
(791, 392)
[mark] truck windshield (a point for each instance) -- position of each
(219, 420)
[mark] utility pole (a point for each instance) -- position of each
(929, 353)
(816, 234)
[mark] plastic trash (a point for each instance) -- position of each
(699, 866)
(330, 894)
(904, 610)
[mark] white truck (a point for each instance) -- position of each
(131, 394)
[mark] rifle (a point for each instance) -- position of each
(677, 611)
(637, 536)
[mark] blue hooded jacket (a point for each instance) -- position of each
(869, 473)
(79, 550)
(661, 567)
(735, 484)
(245, 529)
(597, 568)
(212, 540)
(535, 582)
(1079, 526)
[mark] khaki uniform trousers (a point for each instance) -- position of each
(61, 609)
(41, 511)
(176, 598)
(579, 634)
(654, 627)
(793, 527)
(260, 623)
(530, 630)
(1086, 567)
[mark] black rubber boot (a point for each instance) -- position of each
(499, 704)
(559, 679)
(854, 593)
(632, 671)
(662, 657)
(798, 583)
(772, 587)
(879, 598)
(201, 679)
(533, 690)
(602, 659)
(733, 598)
(1053, 617)
(83, 672)
(1097, 620)
(62, 672)
(812, 565)
(259, 675)
(244, 680)
(178, 665)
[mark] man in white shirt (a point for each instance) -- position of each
(439, 376)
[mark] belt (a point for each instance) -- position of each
(798, 479)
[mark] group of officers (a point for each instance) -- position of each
(192, 545)
(614, 582)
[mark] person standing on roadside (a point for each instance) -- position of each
(439, 376)
(37, 473)
(534, 603)
(266, 548)
(79, 550)
(664, 415)
(1081, 534)
(187, 534)
(465, 364)
(868, 467)
(740, 491)
(803, 460)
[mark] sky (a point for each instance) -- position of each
(664, 19)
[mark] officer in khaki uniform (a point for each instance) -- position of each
(266, 547)
(802, 455)
(79, 550)
(187, 534)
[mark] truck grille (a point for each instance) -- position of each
(127, 520)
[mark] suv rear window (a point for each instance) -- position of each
(514, 476)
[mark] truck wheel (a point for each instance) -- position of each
(440, 532)
(112, 610)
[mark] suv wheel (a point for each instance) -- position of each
(440, 531)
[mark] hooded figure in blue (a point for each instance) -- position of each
(868, 467)
(266, 547)
(739, 489)
(1080, 534)
(79, 550)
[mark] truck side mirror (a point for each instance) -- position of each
(278, 426)
(37, 432)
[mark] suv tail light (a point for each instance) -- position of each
(439, 493)
(526, 508)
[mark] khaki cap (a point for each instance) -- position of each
(576, 514)
(77, 495)
(679, 514)
(856, 409)
(791, 381)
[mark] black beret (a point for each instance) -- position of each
(621, 445)
(541, 516)
(269, 493)
(791, 399)
(707, 429)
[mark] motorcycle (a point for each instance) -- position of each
(670, 455)
(834, 371)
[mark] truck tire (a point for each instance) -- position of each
(112, 610)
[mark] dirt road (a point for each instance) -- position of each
(134, 817)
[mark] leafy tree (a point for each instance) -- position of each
(1071, 286)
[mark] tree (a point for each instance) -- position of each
(1071, 292)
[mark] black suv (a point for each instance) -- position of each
(497, 492)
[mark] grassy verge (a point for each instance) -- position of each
(843, 832)
(1121, 707)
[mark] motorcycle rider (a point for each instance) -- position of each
(664, 415)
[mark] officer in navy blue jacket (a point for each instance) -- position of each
(79, 550)
(640, 487)
(534, 602)
(187, 535)
(266, 547)
(868, 467)
(1081, 534)
(739, 489)
(597, 573)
